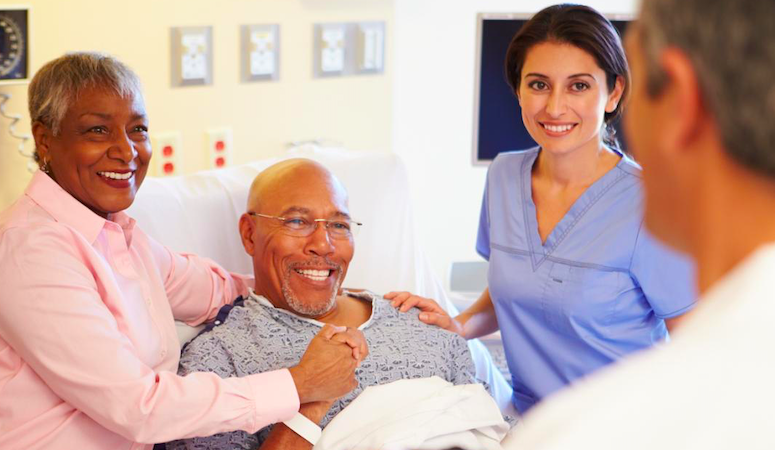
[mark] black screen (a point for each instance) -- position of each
(500, 127)
(14, 44)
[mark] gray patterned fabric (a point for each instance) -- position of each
(258, 337)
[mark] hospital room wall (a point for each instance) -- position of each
(434, 52)
(355, 111)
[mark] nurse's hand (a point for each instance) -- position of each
(431, 313)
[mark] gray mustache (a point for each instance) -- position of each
(314, 263)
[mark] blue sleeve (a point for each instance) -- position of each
(667, 278)
(483, 237)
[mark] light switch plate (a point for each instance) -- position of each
(370, 47)
(192, 56)
(351, 48)
(260, 49)
(331, 49)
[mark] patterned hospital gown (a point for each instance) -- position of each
(257, 337)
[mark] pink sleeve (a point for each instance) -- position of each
(196, 287)
(52, 315)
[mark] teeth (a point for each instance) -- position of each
(317, 275)
(558, 128)
(115, 175)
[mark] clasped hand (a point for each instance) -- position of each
(327, 368)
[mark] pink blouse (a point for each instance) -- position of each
(88, 349)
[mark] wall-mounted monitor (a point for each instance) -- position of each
(14, 45)
(498, 123)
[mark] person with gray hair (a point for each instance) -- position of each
(700, 121)
(88, 348)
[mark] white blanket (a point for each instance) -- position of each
(427, 413)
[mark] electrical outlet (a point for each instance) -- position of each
(192, 56)
(219, 143)
(330, 49)
(260, 52)
(166, 153)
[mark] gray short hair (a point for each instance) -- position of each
(57, 84)
(732, 47)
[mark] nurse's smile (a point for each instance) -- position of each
(558, 130)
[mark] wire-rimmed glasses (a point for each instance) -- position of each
(302, 227)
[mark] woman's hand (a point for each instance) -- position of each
(432, 313)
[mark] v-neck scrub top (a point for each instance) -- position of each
(598, 289)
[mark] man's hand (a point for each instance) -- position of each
(356, 340)
(315, 411)
(431, 313)
(327, 368)
(283, 438)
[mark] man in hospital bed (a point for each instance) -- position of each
(299, 233)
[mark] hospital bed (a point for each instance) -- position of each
(198, 213)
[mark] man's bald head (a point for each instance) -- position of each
(297, 173)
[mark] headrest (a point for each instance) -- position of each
(199, 213)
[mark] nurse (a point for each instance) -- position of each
(575, 282)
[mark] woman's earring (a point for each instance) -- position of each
(45, 167)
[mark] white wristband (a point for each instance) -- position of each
(304, 427)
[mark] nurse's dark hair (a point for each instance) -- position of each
(582, 27)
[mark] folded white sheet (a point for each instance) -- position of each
(427, 413)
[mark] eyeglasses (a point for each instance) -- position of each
(303, 227)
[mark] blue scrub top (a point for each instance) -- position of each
(595, 291)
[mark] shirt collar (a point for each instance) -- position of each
(65, 208)
(363, 295)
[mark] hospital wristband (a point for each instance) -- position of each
(304, 427)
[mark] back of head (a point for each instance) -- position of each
(732, 47)
(59, 82)
(581, 27)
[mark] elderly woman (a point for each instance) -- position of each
(88, 350)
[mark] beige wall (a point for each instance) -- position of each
(355, 111)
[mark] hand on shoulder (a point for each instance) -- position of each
(431, 312)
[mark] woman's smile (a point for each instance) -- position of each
(557, 129)
(120, 179)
